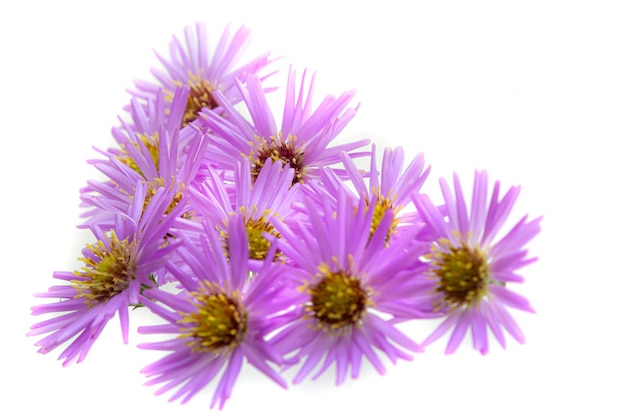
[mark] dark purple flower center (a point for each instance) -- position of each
(287, 152)
(337, 300)
(219, 321)
(200, 96)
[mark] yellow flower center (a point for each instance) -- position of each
(109, 272)
(381, 207)
(256, 226)
(219, 322)
(462, 273)
(157, 183)
(152, 144)
(200, 96)
(338, 300)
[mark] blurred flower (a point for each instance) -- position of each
(471, 264)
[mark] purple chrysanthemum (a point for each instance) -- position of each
(192, 63)
(389, 189)
(346, 288)
(270, 196)
(471, 264)
(222, 316)
(125, 260)
(151, 151)
(302, 141)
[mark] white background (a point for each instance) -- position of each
(532, 91)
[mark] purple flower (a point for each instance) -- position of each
(217, 201)
(222, 316)
(152, 150)
(472, 263)
(389, 189)
(302, 141)
(192, 63)
(124, 260)
(346, 288)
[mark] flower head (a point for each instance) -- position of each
(347, 288)
(303, 140)
(192, 63)
(471, 264)
(388, 190)
(124, 261)
(222, 316)
(152, 150)
(270, 196)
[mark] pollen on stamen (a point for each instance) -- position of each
(109, 272)
(219, 322)
(382, 205)
(276, 149)
(462, 273)
(338, 301)
(256, 227)
(151, 142)
(200, 96)
(157, 183)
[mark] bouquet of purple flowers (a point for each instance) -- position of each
(255, 237)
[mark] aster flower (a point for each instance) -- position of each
(151, 151)
(388, 189)
(222, 316)
(472, 264)
(123, 261)
(346, 288)
(146, 118)
(217, 201)
(192, 63)
(303, 140)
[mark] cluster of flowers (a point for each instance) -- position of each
(254, 241)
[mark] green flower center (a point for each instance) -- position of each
(219, 322)
(338, 300)
(108, 272)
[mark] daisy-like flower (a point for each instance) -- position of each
(192, 63)
(302, 142)
(347, 289)
(123, 262)
(222, 317)
(471, 263)
(151, 151)
(389, 189)
(270, 196)
(145, 121)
